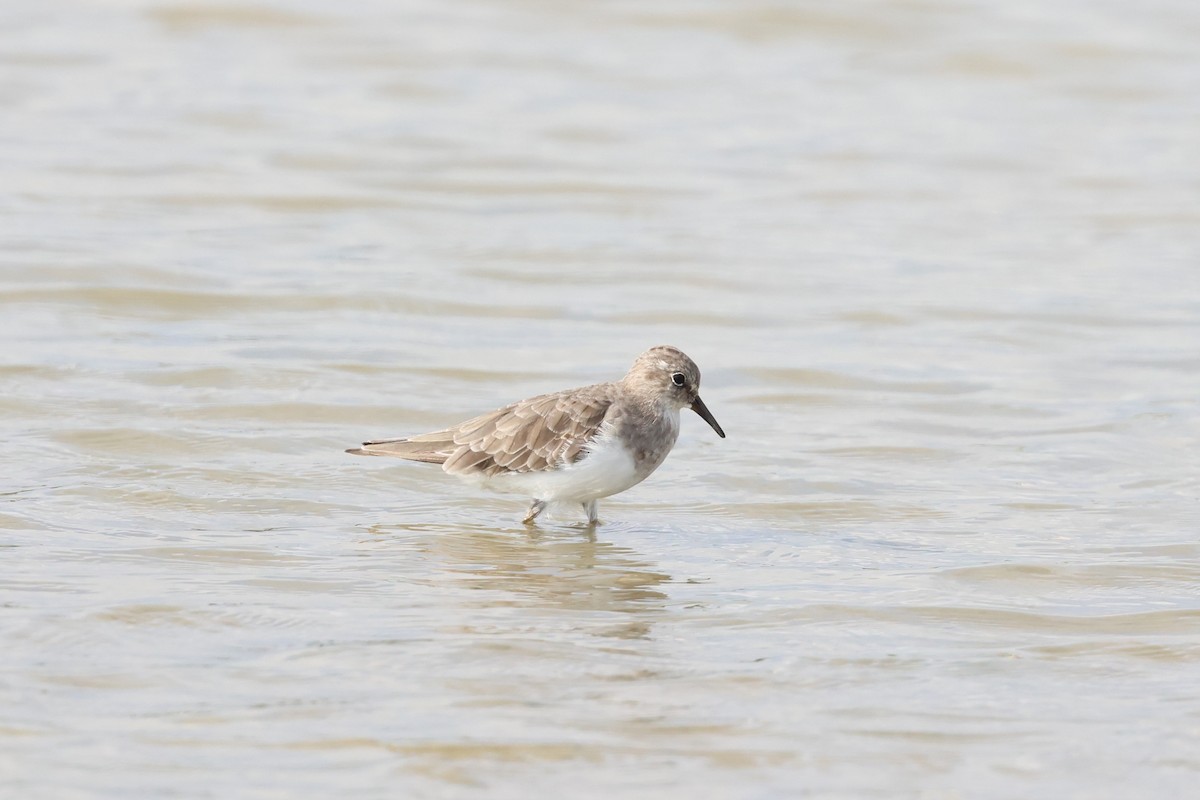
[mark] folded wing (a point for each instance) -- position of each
(536, 434)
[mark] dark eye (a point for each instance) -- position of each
(678, 379)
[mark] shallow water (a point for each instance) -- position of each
(937, 262)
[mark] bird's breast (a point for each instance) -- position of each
(649, 438)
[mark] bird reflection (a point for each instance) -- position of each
(550, 568)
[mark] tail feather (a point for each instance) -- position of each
(430, 451)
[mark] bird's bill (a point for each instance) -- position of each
(706, 415)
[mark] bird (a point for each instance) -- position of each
(574, 446)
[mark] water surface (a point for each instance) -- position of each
(937, 262)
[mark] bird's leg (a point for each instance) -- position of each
(535, 508)
(593, 511)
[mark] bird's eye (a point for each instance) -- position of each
(678, 379)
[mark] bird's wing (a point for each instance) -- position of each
(535, 434)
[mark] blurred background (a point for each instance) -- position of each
(937, 261)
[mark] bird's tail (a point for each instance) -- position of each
(432, 448)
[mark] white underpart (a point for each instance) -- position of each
(607, 468)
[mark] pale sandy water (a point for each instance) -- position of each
(939, 262)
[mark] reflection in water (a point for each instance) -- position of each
(560, 569)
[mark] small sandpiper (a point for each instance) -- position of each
(578, 445)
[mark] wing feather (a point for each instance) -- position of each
(539, 433)
(535, 434)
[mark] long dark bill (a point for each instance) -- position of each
(706, 415)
